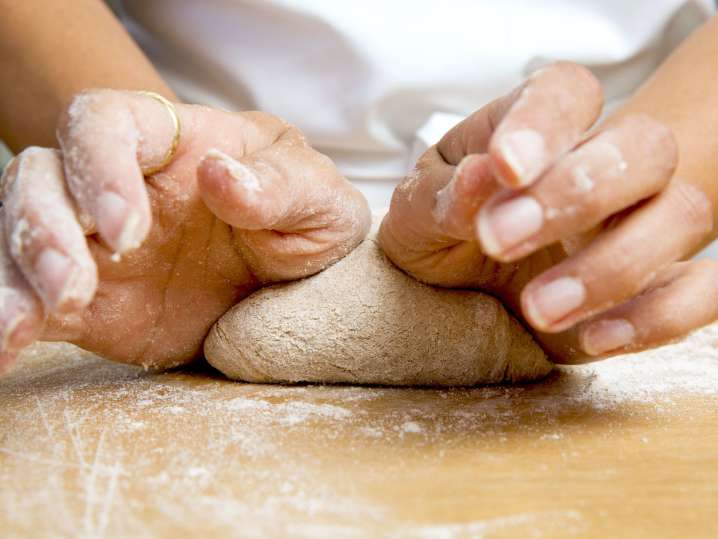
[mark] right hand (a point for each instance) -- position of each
(194, 238)
(579, 230)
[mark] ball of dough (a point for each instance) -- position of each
(363, 321)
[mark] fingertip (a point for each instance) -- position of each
(507, 225)
(232, 191)
(606, 336)
(18, 331)
(218, 172)
(65, 284)
(533, 315)
(212, 171)
(7, 361)
(102, 147)
(489, 242)
(555, 305)
(121, 224)
(456, 204)
(680, 300)
(18, 334)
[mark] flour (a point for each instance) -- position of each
(290, 413)
(690, 366)
(117, 451)
(582, 180)
(245, 177)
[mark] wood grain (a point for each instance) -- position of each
(89, 448)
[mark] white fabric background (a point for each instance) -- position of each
(373, 82)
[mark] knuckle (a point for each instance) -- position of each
(567, 216)
(613, 274)
(594, 211)
(587, 83)
(322, 161)
(276, 127)
(666, 325)
(564, 68)
(627, 276)
(693, 206)
(83, 106)
(656, 138)
(267, 120)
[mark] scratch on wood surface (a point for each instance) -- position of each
(109, 498)
(35, 458)
(43, 416)
(72, 432)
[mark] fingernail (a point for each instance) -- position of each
(554, 301)
(524, 152)
(130, 236)
(56, 274)
(243, 175)
(607, 335)
(114, 220)
(509, 223)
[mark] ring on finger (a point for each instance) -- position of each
(172, 110)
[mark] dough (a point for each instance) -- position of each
(363, 321)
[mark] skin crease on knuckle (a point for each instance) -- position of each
(696, 210)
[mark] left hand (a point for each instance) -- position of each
(578, 232)
(245, 202)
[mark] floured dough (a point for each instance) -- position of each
(363, 321)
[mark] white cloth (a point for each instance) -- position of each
(373, 82)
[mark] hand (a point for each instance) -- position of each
(245, 202)
(578, 232)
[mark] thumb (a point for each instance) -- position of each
(293, 212)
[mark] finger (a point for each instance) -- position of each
(457, 203)
(683, 298)
(621, 261)
(615, 169)
(294, 212)
(437, 203)
(6, 362)
(107, 137)
(547, 117)
(21, 314)
(44, 237)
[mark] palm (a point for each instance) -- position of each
(159, 300)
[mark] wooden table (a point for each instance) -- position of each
(624, 448)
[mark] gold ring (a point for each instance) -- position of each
(147, 171)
